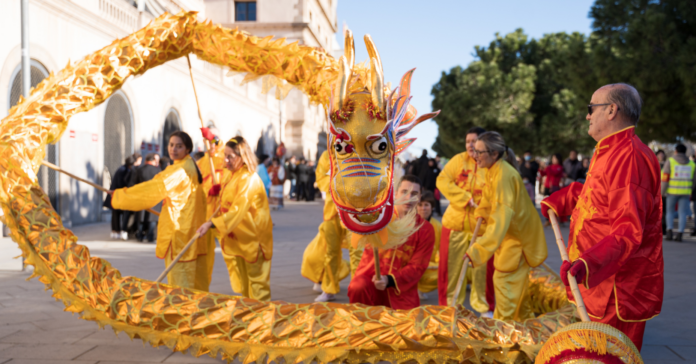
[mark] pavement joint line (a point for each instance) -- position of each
(85, 352)
(7, 361)
(12, 333)
(675, 353)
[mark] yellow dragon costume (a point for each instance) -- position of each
(238, 328)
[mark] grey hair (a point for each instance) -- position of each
(627, 98)
(494, 142)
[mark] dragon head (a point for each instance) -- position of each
(367, 126)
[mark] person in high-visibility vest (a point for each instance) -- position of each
(678, 182)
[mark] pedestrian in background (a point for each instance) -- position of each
(277, 173)
(678, 183)
(311, 190)
(302, 179)
(554, 175)
(582, 175)
(291, 173)
(529, 169)
(662, 158)
(119, 180)
(147, 172)
(571, 167)
(165, 162)
(262, 171)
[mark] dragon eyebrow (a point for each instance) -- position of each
(374, 136)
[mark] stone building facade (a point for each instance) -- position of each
(140, 116)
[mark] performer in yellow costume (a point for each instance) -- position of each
(212, 193)
(461, 182)
(244, 223)
(428, 282)
(182, 211)
(322, 262)
(514, 231)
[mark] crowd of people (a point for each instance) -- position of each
(492, 222)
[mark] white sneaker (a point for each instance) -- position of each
(317, 288)
(124, 235)
(325, 297)
(488, 314)
(422, 295)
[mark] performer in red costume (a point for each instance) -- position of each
(402, 267)
(615, 242)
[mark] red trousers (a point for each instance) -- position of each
(362, 290)
(633, 330)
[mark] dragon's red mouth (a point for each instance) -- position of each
(368, 221)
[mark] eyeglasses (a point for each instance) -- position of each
(481, 151)
(590, 106)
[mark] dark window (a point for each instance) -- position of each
(245, 11)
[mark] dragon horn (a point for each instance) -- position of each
(377, 90)
(349, 50)
(341, 85)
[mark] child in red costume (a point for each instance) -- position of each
(402, 267)
(615, 242)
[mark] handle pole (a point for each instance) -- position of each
(462, 274)
(200, 116)
(100, 188)
(183, 251)
(582, 311)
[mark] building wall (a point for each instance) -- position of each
(67, 30)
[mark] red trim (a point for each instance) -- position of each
(568, 355)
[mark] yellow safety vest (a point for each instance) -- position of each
(681, 177)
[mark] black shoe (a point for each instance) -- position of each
(678, 237)
(693, 232)
(669, 235)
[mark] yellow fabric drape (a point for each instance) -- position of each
(322, 260)
(428, 281)
(183, 210)
(514, 228)
(461, 181)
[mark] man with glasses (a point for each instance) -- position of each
(615, 242)
(461, 182)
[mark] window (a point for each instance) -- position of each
(245, 11)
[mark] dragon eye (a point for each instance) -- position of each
(343, 148)
(379, 146)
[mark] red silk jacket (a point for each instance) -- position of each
(616, 228)
(406, 264)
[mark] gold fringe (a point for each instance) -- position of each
(594, 337)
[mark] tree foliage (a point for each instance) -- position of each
(535, 92)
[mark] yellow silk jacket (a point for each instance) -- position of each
(323, 182)
(460, 181)
(183, 210)
(244, 222)
(514, 228)
(222, 173)
(435, 257)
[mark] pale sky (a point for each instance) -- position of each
(436, 35)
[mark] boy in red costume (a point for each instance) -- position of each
(615, 242)
(402, 267)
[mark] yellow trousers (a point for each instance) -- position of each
(193, 275)
(210, 238)
(428, 281)
(355, 257)
(511, 295)
(458, 244)
(322, 260)
(254, 279)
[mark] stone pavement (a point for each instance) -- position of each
(35, 329)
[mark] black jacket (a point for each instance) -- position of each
(530, 173)
(119, 180)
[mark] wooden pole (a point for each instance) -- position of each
(462, 274)
(378, 272)
(183, 251)
(582, 311)
(200, 116)
(100, 188)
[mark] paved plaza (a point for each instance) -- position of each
(35, 329)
